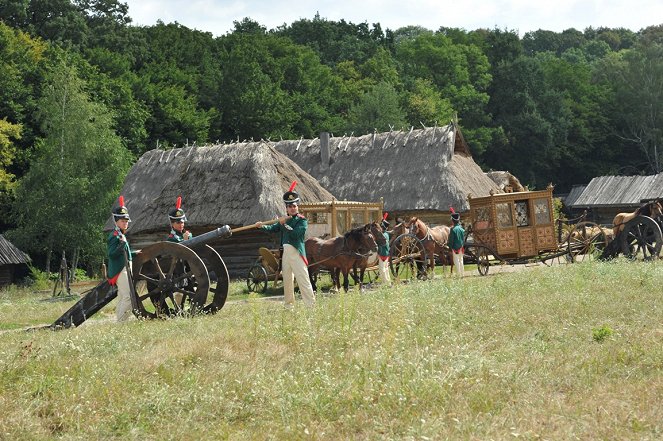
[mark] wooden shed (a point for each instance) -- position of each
(605, 196)
(11, 261)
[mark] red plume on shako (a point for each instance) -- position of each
(384, 223)
(177, 213)
(291, 196)
(121, 211)
(454, 216)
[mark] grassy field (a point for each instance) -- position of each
(569, 352)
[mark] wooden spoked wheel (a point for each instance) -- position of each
(256, 280)
(169, 279)
(219, 278)
(481, 256)
(407, 260)
(585, 242)
(641, 239)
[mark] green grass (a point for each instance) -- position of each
(512, 356)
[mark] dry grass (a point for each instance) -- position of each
(502, 357)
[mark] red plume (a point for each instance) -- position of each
(452, 209)
(292, 186)
(178, 204)
(384, 216)
(121, 201)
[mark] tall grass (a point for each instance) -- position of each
(501, 357)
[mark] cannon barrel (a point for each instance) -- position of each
(221, 232)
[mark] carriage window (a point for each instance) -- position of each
(504, 217)
(374, 216)
(482, 215)
(341, 224)
(541, 211)
(357, 218)
(522, 214)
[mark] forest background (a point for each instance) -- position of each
(83, 94)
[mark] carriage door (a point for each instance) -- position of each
(527, 245)
(507, 238)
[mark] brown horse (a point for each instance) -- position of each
(652, 209)
(361, 265)
(434, 241)
(339, 254)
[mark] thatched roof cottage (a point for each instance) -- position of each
(236, 184)
(11, 260)
(417, 172)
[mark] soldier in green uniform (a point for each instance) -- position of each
(177, 219)
(119, 258)
(295, 265)
(457, 243)
(383, 253)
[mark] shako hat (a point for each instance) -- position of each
(121, 211)
(177, 213)
(384, 223)
(454, 216)
(291, 196)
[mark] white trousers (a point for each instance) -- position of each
(294, 267)
(383, 273)
(123, 308)
(458, 263)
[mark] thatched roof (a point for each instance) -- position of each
(10, 255)
(426, 169)
(236, 184)
(622, 191)
(505, 179)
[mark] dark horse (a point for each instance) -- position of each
(361, 265)
(339, 254)
(434, 241)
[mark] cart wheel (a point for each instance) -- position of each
(586, 242)
(407, 258)
(483, 263)
(169, 279)
(641, 239)
(256, 280)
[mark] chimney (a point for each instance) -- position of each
(324, 149)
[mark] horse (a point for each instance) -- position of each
(434, 241)
(339, 254)
(652, 209)
(361, 265)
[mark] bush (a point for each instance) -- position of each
(600, 334)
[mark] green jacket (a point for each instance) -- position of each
(457, 237)
(116, 253)
(176, 236)
(383, 250)
(294, 237)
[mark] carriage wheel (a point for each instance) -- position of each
(407, 258)
(641, 239)
(481, 256)
(256, 280)
(586, 242)
(169, 279)
(218, 274)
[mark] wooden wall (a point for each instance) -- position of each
(6, 275)
(430, 217)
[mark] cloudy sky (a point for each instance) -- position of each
(217, 16)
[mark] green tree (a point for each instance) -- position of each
(64, 199)
(378, 109)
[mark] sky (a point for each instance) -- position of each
(217, 16)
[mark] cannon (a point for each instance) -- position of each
(167, 279)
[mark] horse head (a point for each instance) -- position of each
(376, 230)
(360, 240)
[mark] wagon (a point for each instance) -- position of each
(518, 228)
(267, 268)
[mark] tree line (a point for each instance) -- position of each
(83, 93)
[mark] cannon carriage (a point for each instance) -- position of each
(166, 279)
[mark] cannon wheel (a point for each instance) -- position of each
(216, 268)
(162, 273)
(256, 280)
(586, 242)
(641, 239)
(407, 259)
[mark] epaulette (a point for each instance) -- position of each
(170, 236)
(301, 216)
(115, 233)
